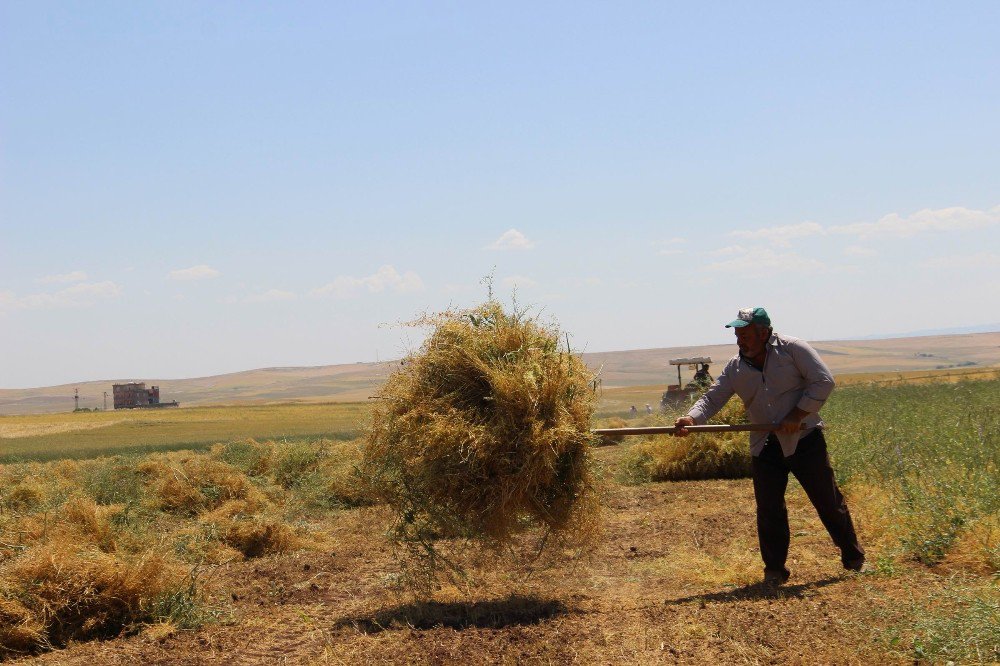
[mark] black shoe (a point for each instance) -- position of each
(856, 565)
(776, 578)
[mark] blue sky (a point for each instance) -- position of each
(195, 188)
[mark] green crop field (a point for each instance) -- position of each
(92, 434)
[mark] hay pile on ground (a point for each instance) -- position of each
(484, 432)
(716, 455)
(96, 548)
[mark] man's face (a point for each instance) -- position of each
(751, 339)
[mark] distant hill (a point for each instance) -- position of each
(961, 330)
(640, 367)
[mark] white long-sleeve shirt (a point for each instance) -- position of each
(793, 376)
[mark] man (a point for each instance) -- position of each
(782, 381)
(701, 377)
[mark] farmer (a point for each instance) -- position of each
(701, 377)
(781, 380)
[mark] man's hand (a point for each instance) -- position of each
(792, 421)
(680, 424)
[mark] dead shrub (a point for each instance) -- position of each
(257, 536)
(25, 496)
(92, 521)
(78, 594)
(296, 462)
(343, 485)
(192, 483)
(239, 525)
(334, 482)
(115, 480)
(249, 456)
(484, 432)
(20, 632)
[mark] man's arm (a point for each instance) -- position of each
(708, 405)
(819, 385)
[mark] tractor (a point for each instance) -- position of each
(680, 392)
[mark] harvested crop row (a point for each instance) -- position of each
(91, 549)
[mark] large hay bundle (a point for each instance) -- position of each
(483, 432)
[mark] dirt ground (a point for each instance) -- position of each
(674, 580)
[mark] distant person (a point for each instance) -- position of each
(633, 412)
(649, 410)
(702, 380)
(782, 381)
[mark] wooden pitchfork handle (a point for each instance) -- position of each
(670, 430)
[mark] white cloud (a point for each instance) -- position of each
(519, 281)
(669, 246)
(199, 272)
(765, 261)
(729, 251)
(385, 278)
(83, 294)
(860, 251)
(941, 220)
(893, 225)
(63, 278)
(964, 261)
(512, 239)
(270, 296)
(782, 235)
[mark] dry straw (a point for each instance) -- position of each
(484, 432)
(722, 455)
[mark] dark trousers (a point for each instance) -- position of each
(811, 466)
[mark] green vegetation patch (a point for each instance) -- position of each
(95, 434)
(932, 450)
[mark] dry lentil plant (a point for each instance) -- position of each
(100, 548)
(482, 433)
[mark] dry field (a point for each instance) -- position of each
(279, 563)
(673, 581)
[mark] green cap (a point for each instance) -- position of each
(750, 316)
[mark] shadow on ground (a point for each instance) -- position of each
(495, 614)
(757, 591)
